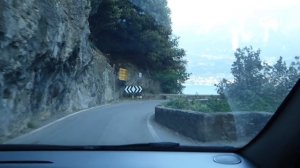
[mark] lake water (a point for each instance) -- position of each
(200, 90)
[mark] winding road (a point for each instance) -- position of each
(127, 122)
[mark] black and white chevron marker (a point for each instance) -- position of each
(133, 89)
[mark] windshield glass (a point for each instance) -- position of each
(117, 72)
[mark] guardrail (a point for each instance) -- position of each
(174, 96)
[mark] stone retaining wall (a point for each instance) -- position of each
(216, 126)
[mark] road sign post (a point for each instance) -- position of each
(133, 89)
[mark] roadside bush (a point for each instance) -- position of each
(212, 104)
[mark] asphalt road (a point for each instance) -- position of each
(114, 124)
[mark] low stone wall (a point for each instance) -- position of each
(217, 126)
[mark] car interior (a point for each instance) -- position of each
(103, 53)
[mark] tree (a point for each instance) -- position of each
(131, 30)
(258, 86)
(293, 72)
(246, 86)
(158, 9)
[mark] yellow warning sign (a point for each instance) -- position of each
(123, 74)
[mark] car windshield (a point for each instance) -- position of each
(116, 72)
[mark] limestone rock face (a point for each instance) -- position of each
(47, 64)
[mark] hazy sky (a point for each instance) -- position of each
(211, 30)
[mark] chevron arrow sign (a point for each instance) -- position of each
(133, 89)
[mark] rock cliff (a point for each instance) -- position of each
(47, 64)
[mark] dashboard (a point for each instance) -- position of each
(121, 159)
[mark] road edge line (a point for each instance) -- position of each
(56, 121)
(152, 130)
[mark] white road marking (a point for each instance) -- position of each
(54, 122)
(152, 130)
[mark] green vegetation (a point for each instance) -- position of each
(212, 104)
(31, 125)
(258, 86)
(140, 32)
